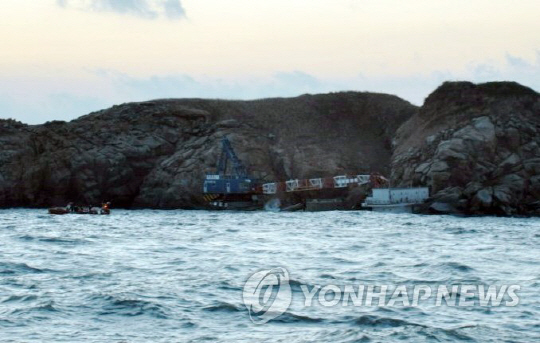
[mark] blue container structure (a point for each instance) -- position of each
(237, 181)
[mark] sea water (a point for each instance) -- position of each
(179, 276)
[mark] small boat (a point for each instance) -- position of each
(70, 209)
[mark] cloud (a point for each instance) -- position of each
(412, 87)
(185, 86)
(65, 97)
(517, 62)
(147, 9)
(49, 106)
(174, 9)
(484, 71)
(299, 81)
(513, 68)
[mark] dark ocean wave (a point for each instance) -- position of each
(20, 298)
(456, 266)
(58, 240)
(125, 306)
(222, 306)
(376, 321)
(292, 318)
(20, 268)
(460, 230)
(41, 307)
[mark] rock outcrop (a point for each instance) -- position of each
(476, 147)
(155, 154)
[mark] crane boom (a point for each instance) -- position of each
(227, 153)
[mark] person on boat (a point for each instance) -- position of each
(106, 208)
(70, 207)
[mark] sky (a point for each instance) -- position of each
(60, 59)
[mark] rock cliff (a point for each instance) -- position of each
(155, 154)
(476, 146)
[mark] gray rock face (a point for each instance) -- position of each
(476, 146)
(477, 143)
(155, 154)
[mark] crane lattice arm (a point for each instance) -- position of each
(227, 153)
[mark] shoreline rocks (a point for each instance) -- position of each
(482, 157)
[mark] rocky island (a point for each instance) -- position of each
(475, 146)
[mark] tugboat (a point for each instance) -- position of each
(71, 209)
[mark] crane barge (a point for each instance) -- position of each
(231, 186)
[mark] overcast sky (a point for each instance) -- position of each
(60, 59)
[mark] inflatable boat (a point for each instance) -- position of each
(70, 209)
